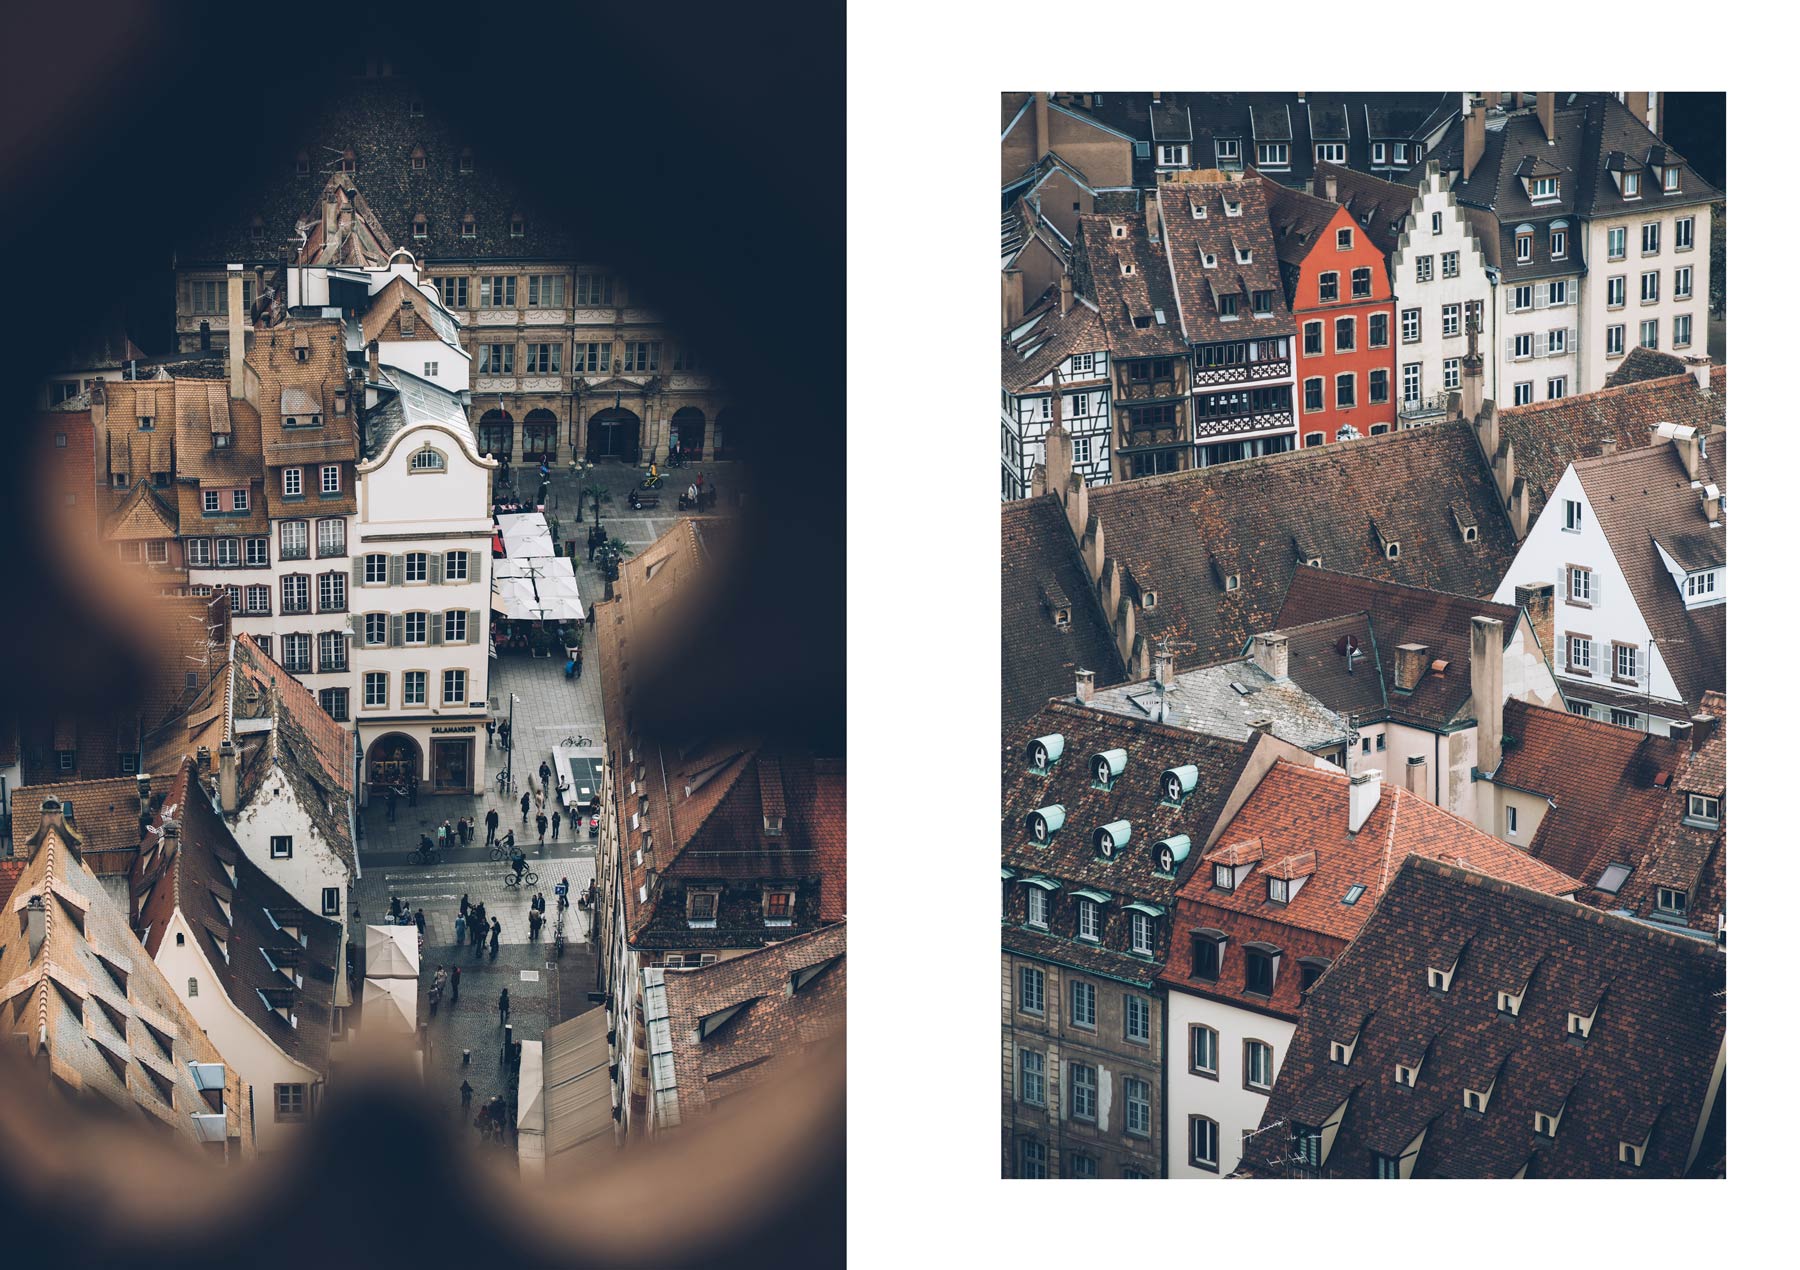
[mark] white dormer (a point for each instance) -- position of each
(1545, 1123)
(1233, 207)
(1404, 1075)
(1632, 1153)
(1171, 852)
(1179, 782)
(1439, 980)
(1580, 1025)
(1127, 268)
(1043, 823)
(1509, 1002)
(1244, 255)
(1209, 260)
(1343, 1051)
(1118, 229)
(1110, 839)
(1476, 1100)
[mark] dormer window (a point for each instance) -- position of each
(1262, 962)
(772, 825)
(1342, 1052)
(1178, 783)
(1632, 1153)
(1149, 599)
(1543, 189)
(1224, 877)
(1476, 1100)
(1037, 907)
(1143, 934)
(1209, 954)
(1671, 902)
(421, 227)
(1042, 824)
(1106, 767)
(418, 159)
(1111, 839)
(1042, 753)
(1439, 980)
(1232, 582)
(1228, 307)
(1129, 269)
(1393, 550)
(465, 162)
(1118, 229)
(1509, 1002)
(1062, 618)
(1702, 811)
(1243, 255)
(1630, 185)
(1233, 208)
(1209, 260)
(703, 909)
(1404, 1075)
(1522, 246)
(1671, 179)
(1089, 925)
(778, 907)
(1580, 1025)
(1545, 1124)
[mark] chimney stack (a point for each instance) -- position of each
(1040, 107)
(1709, 503)
(1410, 661)
(1365, 792)
(407, 317)
(34, 926)
(50, 813)
(143, 791)
(1162, 667)
(234, 328)
(1415, 776)
(1487, 650)
(228, 777)
(1704, 725)
(1687, 445)
(1538, 599)
(1474, 135)
(1331, 188)
(1084, 685)
(1066, 293)
(1609, 446)
(1546, 113)
(1269, 652)
(1264, 726)
(1012, 298)
(1701, 369)
(1681, 732)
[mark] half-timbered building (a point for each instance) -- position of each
(1054, 364)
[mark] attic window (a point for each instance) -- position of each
(468, 225)
(1208, 259)
(1393, 550)
(1150, 603)
(1476, 1100)
(302, 164)
(1243, 255)
(1233, 208)
(1346, 238)
(1439, 980)
(1670, 902)
(1631, 1153)
(1671, 178)
(146, 423)
(1354, 894)
(772, 825)
(1630, 185)
(1404, 1075)
(1062, 618)
(1508, 1002)
(1118, 230)
(421, 227)
(256, 227)
(1545, 1124)
(418, 159)
(518, 225)
(1231, 582)
(1341, 1053)
(1106, 768)
(417, 109)
(465, 162)
(1543, 189)
(1580, 1025)
(1127, 268)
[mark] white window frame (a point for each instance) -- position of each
(1329, 152)
(1452, 374)
(1037, 907)
(1410, 326)
(1090, 923)
(1681, 332)
(291, 484)
(1615, 243)
(1581, 585)
(1615, 340)
(1451, 317)
(1684, 234)
(1143, 934)
(1581, 653)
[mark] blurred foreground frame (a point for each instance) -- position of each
(124, 121)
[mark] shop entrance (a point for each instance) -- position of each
(393, 763)
(452, 771)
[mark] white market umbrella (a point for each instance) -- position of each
(390, 1005)
(392, 952)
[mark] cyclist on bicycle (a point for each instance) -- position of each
(518, 865)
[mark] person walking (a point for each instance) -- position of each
(555, 825)
(524, 808)
(544, 773)
(436, 992)
(593, 608)
(505, 1006)
(490, 728)
(494, 947)
(455, 983)
(543, 823)
(393, 909)
(462, 927)
(468, 1096)
(464, 910)
(393, 803)
(533, 919)
(493, 825)
(412, 791)
(419, 917)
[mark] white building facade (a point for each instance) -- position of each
(1208, 1079)
(1438, 272)
(1649, 274)
(423, 546)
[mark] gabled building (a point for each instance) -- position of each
(1640, 819)
(1420, 676)
(1035, 127)
(110, 816)
(87, 1006)
(727, 1023)
(1336, 282)
(1233, 314)
(1103, 817)
(1053, 365)
(1296, 871)
(1635, 542)
(1122, 263)
(1478, 1028)
(714, 845)
(258, 970)
(1206, 556)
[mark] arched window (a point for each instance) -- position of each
(426, 459)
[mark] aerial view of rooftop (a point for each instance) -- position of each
(1363, 635)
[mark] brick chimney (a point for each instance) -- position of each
(143, 791)
(1709, 503)
(234, 328)
(1365, 792)
(408, 318)
(1065, 294)
(1705, 724)
(228, 777)
(1681, 732)
(1084, 685)
(1538, 599)
(1410, 661)
(1331, 187)
(1639, 105)
(1609, 446)
(1487, 650)
(1474, 135)
(1012, 296)
(1040, 118)
(1415, 776)
(1269, 652)
(1546, 113)
(1687, 445)
(1162, 667)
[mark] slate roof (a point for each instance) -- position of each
(1300, 820)
(106, 813)
(1296, 220)
(1123, 301)
(1646, 991)
(237, 914)
(1642, 498)
(373, 116)
(1070, 857)
(1041, 571)
(1325, 501)
(92, 1004)
(1190, 238)
(1378, 206)
(1398, 614)
(1040, 341)
(1619, 796)
(788, 997)
(1547, 436)
(1644, 363)
(1224, 700)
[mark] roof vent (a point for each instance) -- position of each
(1109, 840)
(1043, 752)
(1179, 782)
(1107, 767)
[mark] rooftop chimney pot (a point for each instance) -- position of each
(1365, 792)
(1084, 685)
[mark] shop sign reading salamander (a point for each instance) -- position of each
(461, 727)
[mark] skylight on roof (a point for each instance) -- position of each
(1355, 893)
(1613, 878)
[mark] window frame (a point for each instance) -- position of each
(1196, 1031)
(1253, 1045)
(1032, 982)
(1203, 1131)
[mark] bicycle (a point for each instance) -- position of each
(577, 742)
(498, 850)
(560, 939)
(419, 855)
(529, 878)
(504, 782)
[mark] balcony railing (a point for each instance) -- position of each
(1260, 421)
(1424, 407)
(1151, 437)
(289, 608)
(293, 553)
(1242, 372)
(1146, 390)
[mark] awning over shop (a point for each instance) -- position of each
(578, 1087)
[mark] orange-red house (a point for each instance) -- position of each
(1343, 304)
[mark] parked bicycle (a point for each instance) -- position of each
(577, 742)
(528, 878)
(504, 782)
(560, 939)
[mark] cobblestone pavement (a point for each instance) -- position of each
(616, 481)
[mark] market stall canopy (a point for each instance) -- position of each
(390, 1005)
(392, 952)
(525, 534)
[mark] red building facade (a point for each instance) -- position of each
(1343, 304)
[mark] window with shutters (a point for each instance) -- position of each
(413, 687)
(456, 687)
(456, 626)
(1556, 341)
(413, 628)
(456, 566)
(1625, 662)
(1521, 298)
(375, 570)
(1580, 654)
(1581, 586)
(375, 629)
(1522, 344)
